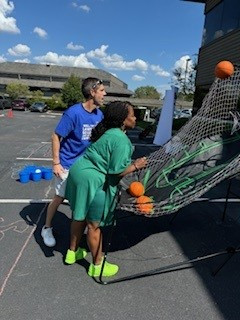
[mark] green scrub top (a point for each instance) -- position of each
(99, 168)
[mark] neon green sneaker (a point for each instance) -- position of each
(73, 256)
(108, 271)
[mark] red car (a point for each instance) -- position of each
(20, 104)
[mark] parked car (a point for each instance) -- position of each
(39, 106)
(155, 114)
(186, 113)
(177, 114)
(5, 102)
(20, 104)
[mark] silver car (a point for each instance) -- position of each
(39, 106)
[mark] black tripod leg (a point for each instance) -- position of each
(114, 219)
(231, 251)
(109, 241)
(226, 202)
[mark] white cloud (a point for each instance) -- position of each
(7, 24)
(2, 59)
(85, 8)
(98, 53)
(81, 7)
(115, 61)
(72, 46)
(74, 4)
(184, 63)
(79, 61)
(19, 50)
(159, 71)
(114, 74)
(41, 32)
(22, 60)
(137, 78)
(162, 53)
(163, 87)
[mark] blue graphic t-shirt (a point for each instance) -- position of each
(75, 128)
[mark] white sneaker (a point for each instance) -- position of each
(48, 237)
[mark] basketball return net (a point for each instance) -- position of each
(204, 152)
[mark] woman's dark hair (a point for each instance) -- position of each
(114, 115)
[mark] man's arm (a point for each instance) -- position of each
(57, 168)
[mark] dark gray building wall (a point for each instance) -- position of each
(210, 4)
(224, 48)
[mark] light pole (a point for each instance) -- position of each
(185, 79)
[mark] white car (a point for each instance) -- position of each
(186, 113)
(177, 114)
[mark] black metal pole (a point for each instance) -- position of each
(226, 202)
(168, 268)
(109, 241)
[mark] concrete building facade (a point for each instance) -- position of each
(51, 78)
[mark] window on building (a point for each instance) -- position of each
(34, 77)
(59, 79)
(106, 83)
(8, 75)
(231, 15)
(223, 18)
(212, 27)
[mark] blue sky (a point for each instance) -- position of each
(140, 42)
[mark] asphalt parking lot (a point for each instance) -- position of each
(35, 284)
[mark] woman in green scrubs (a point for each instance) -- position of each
(93, 180)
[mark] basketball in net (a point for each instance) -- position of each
(224, 69)
(144, 204)
(136, 189)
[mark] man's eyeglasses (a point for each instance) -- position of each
(97, 84)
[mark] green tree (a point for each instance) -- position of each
(71, 91)
(17, 90)
(184, 78)
(36, 96)
(56, 103)
(147, 92)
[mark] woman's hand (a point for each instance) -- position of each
(140, 163)
(137, 164)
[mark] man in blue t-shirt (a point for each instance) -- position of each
(69, 141)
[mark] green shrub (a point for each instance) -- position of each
(71, 90)
(36, 96)
(56, 103)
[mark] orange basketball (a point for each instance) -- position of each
(144, 204)
(136, 189)
(224, 69)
